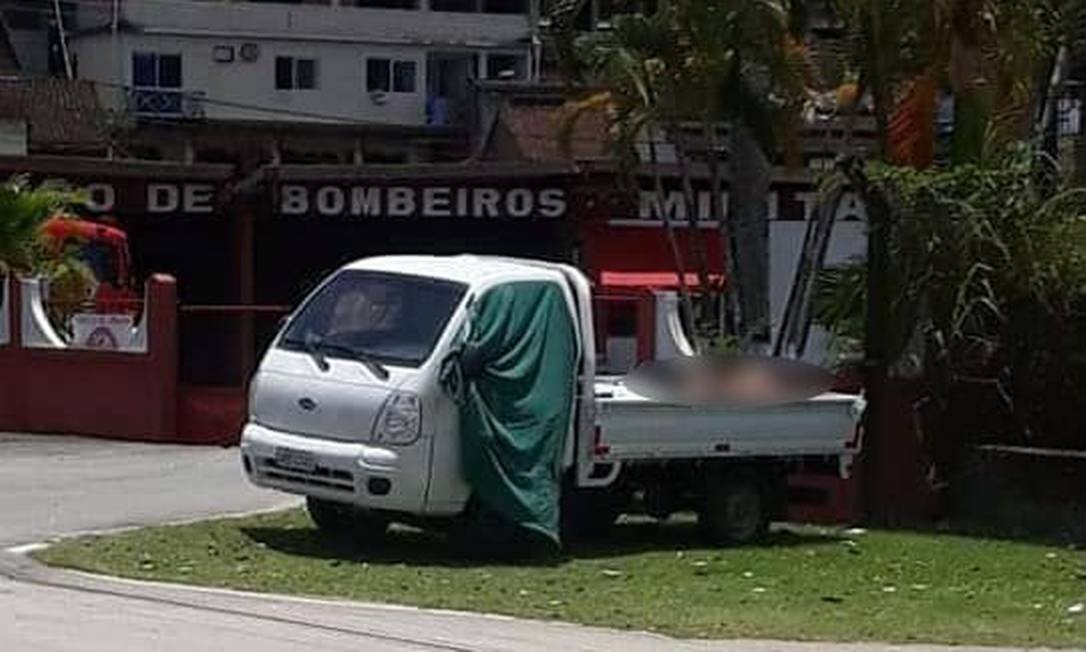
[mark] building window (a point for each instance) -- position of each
(386, 75)
(403, 76)
(154, 70)
(506, 66)
(156, 82)
(295, 74)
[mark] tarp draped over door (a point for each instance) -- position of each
(519, 366)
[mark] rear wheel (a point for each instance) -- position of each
(345, 522)
(735, 509)
(588, 513)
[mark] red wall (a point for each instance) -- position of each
(609, 248)
(120, 395)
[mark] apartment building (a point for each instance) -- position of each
(338, 81)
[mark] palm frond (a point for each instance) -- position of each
(23, 210)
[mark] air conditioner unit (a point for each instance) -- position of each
(249, 52)
(222, 53)
(378, 97)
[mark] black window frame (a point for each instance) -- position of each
(378, 74)
(289, 75)
(519, 57)
(409, 67)
(382, 75)
(162, 64)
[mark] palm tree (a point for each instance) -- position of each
(702, 62)
(23, 210)
(754, 78)
(630, 100)
(985, 55)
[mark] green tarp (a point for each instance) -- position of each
(518, 366)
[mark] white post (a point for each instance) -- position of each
(63, 40)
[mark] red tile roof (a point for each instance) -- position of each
(61, 114)
(534, 130)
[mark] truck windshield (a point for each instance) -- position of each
(391, 318)
(101, 258)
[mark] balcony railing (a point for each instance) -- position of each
(162, 103)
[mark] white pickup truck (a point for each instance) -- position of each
(364, 426)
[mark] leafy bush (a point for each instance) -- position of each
(24, 208)
(988, 287)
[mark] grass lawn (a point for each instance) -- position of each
(805, 583)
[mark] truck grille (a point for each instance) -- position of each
(320, 476)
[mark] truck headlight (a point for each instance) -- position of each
(254, 383)
(400, 420)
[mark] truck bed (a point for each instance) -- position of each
(634, 427)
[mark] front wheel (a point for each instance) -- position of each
(345, 522)
(734, 509)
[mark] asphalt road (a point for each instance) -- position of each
(55, 486)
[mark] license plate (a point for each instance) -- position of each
(295, 460)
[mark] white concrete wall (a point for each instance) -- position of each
(320, 22)
(97, 63)
(341, 82)
(340, 38)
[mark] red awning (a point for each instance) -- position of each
(653, 280)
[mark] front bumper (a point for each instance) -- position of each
(373, 477)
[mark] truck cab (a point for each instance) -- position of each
(104, 250)
(347, 404)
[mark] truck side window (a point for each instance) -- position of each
(100, 258)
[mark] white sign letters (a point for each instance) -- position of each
(426, 202)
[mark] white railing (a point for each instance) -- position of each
(165, 103)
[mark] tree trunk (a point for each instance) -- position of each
(716, 206)
(748, 215)
(685, 304)
(878, 299)
(690, 200)
(876, 342)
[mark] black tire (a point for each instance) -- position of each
(735, 508)
(345, 522)
(587, 513)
